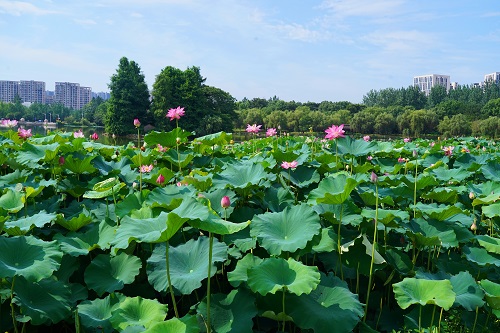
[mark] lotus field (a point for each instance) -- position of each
(278, 233)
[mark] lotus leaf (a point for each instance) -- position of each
(418, 291)
(275, 274)
(138, 311)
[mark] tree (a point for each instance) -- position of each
(90, 109)
(492, 108)
(437, 95)
(129, 98)
(219, 111)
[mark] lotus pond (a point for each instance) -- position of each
(273, 234)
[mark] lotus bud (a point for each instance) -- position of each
(161, 179)
(471, 195)
(61, 160)
(373, 178)
(473, 227)
(94, 136)
(178, 140)
(137, 123)
(225, 202)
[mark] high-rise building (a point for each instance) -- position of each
(72, 95)
(8, 91)
(104, 95)
(32, 91)
(426, 82)
(493, 77)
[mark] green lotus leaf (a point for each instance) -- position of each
(333, 190)
(188, 264)
(232, 312)
(129, 203)
(148, 230)
(138, 311)
(491, 244)
(277, 199)
(112, 167)
(104, 193)
(418, 291)
(240, 272)
(47, 300)
(108, 274)
(218, 226)
(24, 225)
(186, 324)
(275, 274)
(81, 243)
(29, 257)
(32, 154)
(302, 176)
(96, 313)
(106, 184)
(330, 305)
(182, 157)
(355, 147)
(399, 260)
(18, 176)
(12, 201)
(442, 194)
(492, 293)
(491, 210)
(469, 295)
(438, 212)
(447, 175)
(215, 201)
(219, 138)
(288, 230)
(424, 180)
(369, 196)
(79, 165)
(387, 217)
(486, 200)
(427, 231)
(471, 162)
(166, 139)
(75, 222)
(480, 256)
(169, 196)
(358, 254)
(348, 210)
(328, 241)
(242, 175)
(491, 171)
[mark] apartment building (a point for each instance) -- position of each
(32, 91)
(426, 82)
(493, 77)
(72, 95)
(8, 91)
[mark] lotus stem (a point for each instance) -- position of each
(12, 310)
(210, 246)
(77, 322)
(339, 240)
(283, 305)
(432, 318)
(370, 278)
(171, 289)
(475, 320)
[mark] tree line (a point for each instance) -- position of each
(466, 110)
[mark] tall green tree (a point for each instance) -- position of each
(129, 98)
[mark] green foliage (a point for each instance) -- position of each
(129, 98)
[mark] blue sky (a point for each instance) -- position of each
(302, 50)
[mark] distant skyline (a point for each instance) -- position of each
(298, 50)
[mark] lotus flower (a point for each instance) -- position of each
(253, 128)
(176, 113)
(448, 151)
(23, 133)
(289, 165)
(9, 123)
(271, 132)
(78, 134)
(335, 132)
(146, 168)
(161, 179)
(366, 138)
(94, 136)
(137, 123)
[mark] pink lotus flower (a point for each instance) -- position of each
(137, 123)
(176, 113)
(61, 160)
(253, 128)
(9, 123)
(401, 160)
(161, 179)
(146, 168)
(406, 140)
(78, 134)
(271, 132)
(161, 149)
(369, 158)
(448, 151)
(225, 202)
(94, 136)
(366, 138)
(335, 132)
(289, 165)
(373, 177)
(23, 133)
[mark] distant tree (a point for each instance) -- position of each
(363, 122)
(492, 108)
(385, 123)
(218, 111)
(90, 109)
(437, 95)
(457, 125)
(129, 98)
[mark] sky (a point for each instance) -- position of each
(300, 50)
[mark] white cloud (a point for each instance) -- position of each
(136, 15)
(85, 22)
(18, 8)
(369, 8)
(402, 41)
(298, 32)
